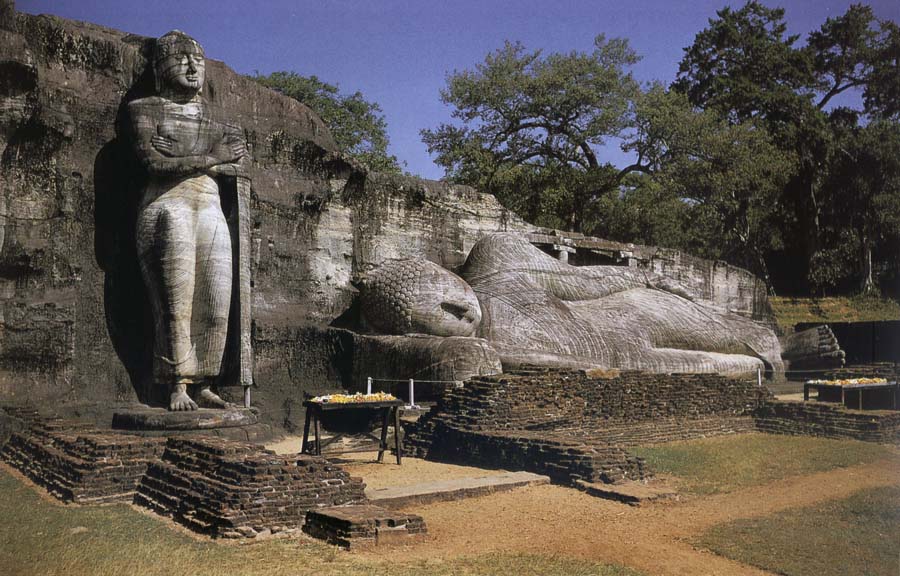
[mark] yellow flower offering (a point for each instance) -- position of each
(358, 398)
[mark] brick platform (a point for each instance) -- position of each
(887, 370)
(575, 425)
(77, 463)
(829, 421)
(233, 489)
(363, 526)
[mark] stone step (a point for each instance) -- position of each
(454, 489)
(364, 526)
(633, 493)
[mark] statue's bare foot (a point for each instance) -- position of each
(179, 401)
(210, 398)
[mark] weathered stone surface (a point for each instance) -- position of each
(319, 224)
(538, 310)
(729, 287)
(573, 425)
(201, 419)
(318, 221)
(633, 493)
(194, 260)
(440, 362)
(452, 489)
(77, 463)
(364, 526)
(812, 349)
(236, 489)
(828, 420)
(419, 297)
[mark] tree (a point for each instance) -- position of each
(532, 122)
(712, 187)
(358, 126)
(745, 67)
(863, 218)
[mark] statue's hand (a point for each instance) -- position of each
(229, 151)
(238, 149)
(163, 145)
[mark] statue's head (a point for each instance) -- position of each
(418, 296)
(179, 65)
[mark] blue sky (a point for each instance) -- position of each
(399, 52)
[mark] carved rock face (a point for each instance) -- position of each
(180, 65)
(183, 71)
(417, 296)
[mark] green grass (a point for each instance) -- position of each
(857, 535)
(791, 311)
(728, 463)
(38, 537)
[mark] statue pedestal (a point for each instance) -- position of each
(235, 423)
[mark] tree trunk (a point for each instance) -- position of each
(868, 282)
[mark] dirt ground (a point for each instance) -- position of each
(559, 521)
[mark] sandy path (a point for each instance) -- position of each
(554, 520)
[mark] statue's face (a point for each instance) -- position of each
(182, 71)
(417, 296)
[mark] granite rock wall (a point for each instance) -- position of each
(74, 322)
(73, 319)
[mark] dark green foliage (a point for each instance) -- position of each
(357, 125)
(744, 159)
(861, 221)
(530, 127)
(744, 66)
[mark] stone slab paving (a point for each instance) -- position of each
(453, 489)
(633, 493)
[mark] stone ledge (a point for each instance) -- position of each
(455, 489)
(364, 526)
(632, 493)
(147, 418)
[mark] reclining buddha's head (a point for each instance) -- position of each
(419, 297)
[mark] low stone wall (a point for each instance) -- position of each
(11, 421)
(364, 526)
(233, 489)
(828, 420)
(575, 425)
(77, 463)
(887, 370)
(561, 456)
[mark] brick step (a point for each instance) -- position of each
(454, 489)
(364, 526)
(633, 493)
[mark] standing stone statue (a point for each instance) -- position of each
(184, 244)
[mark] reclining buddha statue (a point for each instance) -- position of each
(532, 309)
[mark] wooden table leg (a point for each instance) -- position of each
(397, 443)
(385, 417)
(860, 398)
(318, 427)
(805, 392)
(304, 448)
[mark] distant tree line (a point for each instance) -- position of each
(743, 158)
